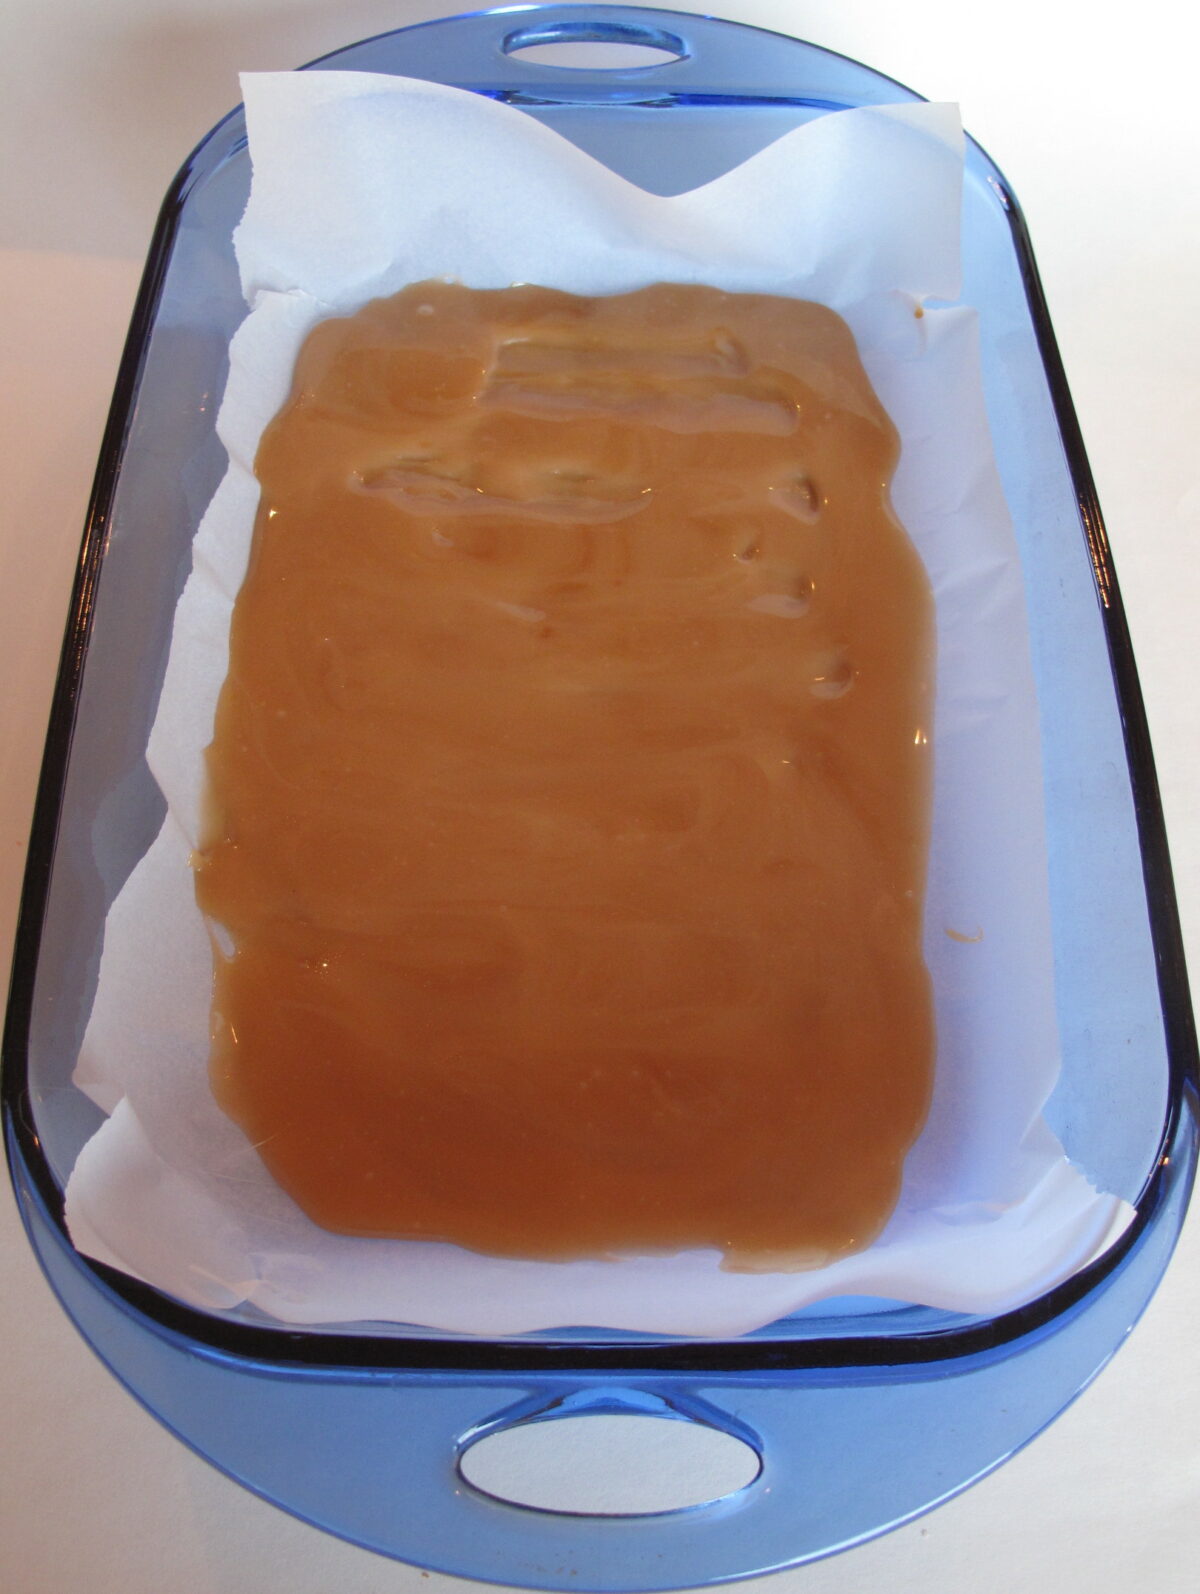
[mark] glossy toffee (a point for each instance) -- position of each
(569, 793)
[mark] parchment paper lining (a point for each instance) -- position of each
(361, 185)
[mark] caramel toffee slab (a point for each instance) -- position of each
(569, 792)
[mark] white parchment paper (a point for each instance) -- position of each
(361, 185)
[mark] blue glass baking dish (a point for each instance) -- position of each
(862, 1413)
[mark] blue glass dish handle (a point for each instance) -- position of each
(714, 59)
(373, 1454)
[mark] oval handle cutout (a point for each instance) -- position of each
(591, 47)
(610, 1465)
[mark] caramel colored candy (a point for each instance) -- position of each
(569, 795)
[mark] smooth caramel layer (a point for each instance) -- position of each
(570, 784)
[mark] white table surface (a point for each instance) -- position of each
(1091, 111)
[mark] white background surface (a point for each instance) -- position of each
(1092, 113)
